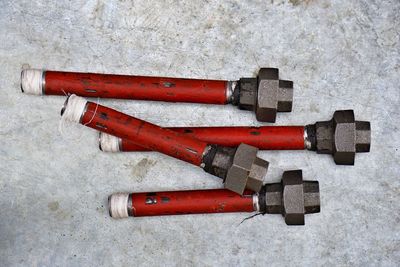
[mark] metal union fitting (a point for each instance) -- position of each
(292, 197)
(239, 167)
(266, 94)
(343, 137)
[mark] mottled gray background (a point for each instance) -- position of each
(54, 186)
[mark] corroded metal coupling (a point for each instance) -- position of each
(265, 95)
(239, 167)
(342, 137)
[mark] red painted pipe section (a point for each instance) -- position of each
(190, 202)
(135, 87)
(148, 135)
(264, 137)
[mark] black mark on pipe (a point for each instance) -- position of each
(103, 115)
(165, 199)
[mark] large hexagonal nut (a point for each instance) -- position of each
(343, 137)
(273, 95)
(247, 170)
(293, 197)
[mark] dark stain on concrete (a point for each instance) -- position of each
(53, 206)
(141, 168)
(300, 2)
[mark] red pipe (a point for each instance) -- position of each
(135, 87)
(190, 202)
(264, 137)
(148, 135)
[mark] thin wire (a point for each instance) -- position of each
(94, 113)
(250, 217)
(64, 122)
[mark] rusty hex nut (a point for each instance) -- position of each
(343, 137)
(266, 94)
(293, 197)
(246, 171)
(240, 168)
(273, 95)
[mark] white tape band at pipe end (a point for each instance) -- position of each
(74, 108)
(32, 81)
(118, 205)
(108, 143)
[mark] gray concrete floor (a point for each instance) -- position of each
(54, 186)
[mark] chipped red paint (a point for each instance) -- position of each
(135, 87)
(265, 137)
(190, 202)
(148, 135)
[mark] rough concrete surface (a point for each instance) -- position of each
(54, 184)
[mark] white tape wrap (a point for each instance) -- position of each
(307, 142)
(74, 108)
(32, 81)
(256, 205)
(109, 143)
(118, 205)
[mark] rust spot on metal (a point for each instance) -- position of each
(90, 90)
(86, 81)
(221, 207)
(187, 131)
